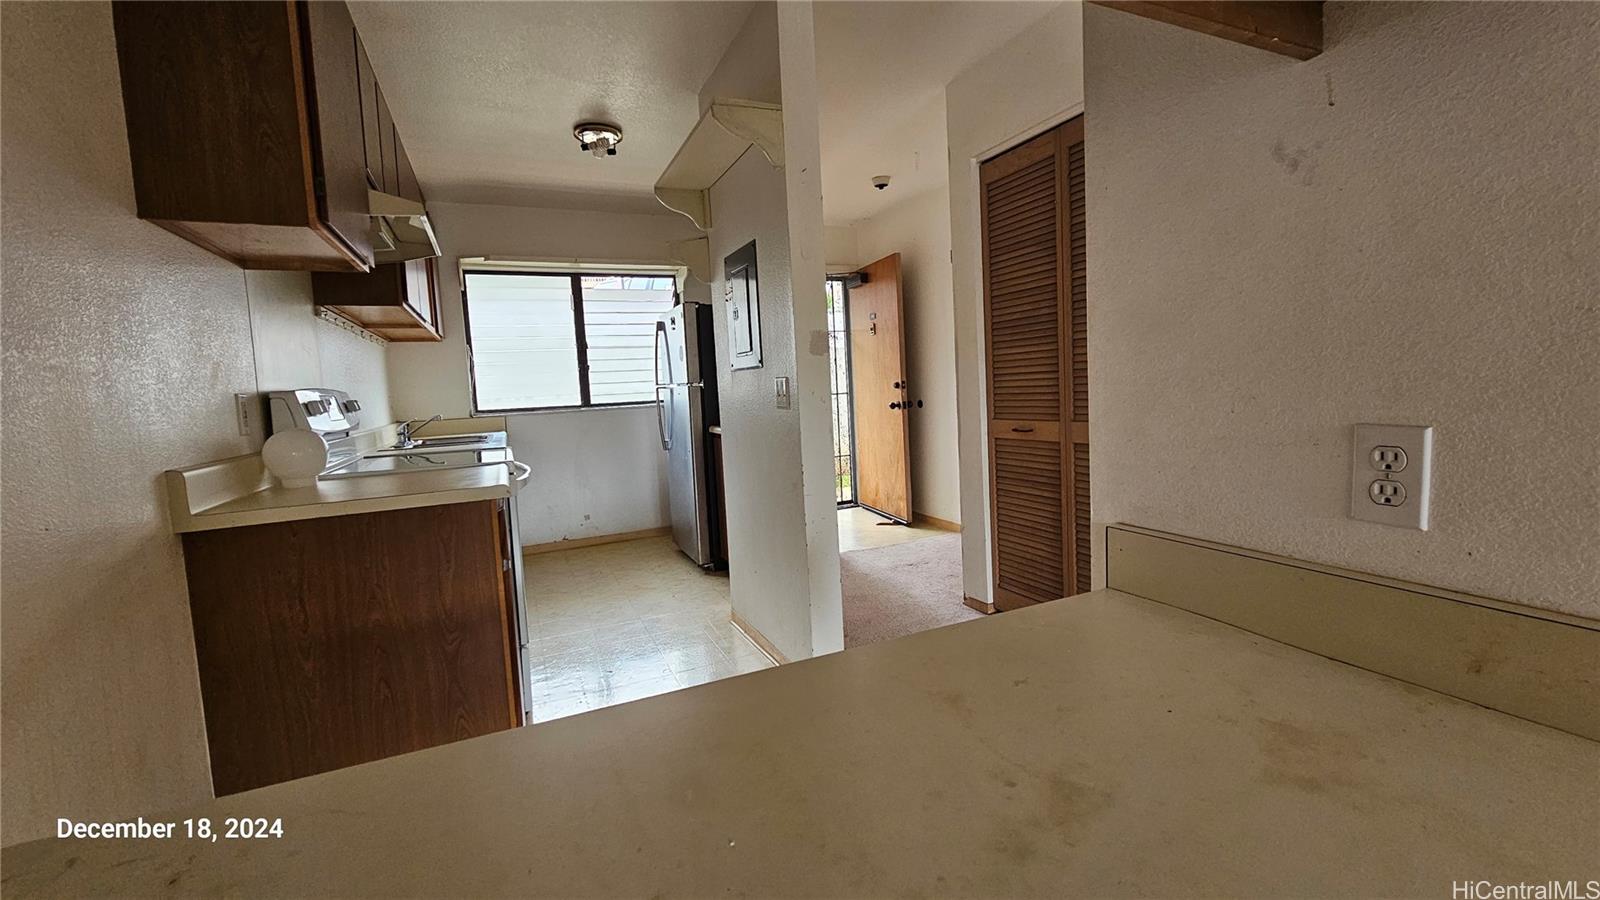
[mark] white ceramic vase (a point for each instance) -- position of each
(296, 457)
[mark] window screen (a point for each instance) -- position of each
(531, 335)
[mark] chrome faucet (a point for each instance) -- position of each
(407, 429)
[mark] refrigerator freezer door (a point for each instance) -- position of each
(687, 363)
(686, 486)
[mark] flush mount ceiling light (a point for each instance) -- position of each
(598, 138)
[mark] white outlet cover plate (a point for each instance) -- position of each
(1416, 477)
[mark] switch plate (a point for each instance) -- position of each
(241, 412)
(1391, 467)
(780, 392)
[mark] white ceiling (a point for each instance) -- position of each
(485, 94)
(881, 72)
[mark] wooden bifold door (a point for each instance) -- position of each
(1036, 321)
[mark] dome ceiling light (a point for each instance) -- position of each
(598, 138)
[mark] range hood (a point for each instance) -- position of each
(400, 229)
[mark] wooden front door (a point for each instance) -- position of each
(1035, 312)
(878, 383)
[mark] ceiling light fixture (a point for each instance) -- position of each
(598, 138)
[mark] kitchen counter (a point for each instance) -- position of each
(1100, 745)
(235, 492)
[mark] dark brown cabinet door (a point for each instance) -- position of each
(334, 78)
(1036, 324)
(398, 301)
(371, 145)
(330, 642)
(387, 138)
(409, 188)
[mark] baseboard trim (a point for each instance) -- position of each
(597, 540)
(934, 522)
(979, 605)
(760, 640)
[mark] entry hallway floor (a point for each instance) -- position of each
(625, 621)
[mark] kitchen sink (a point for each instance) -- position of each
(447, 443)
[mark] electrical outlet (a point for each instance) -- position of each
(1388, 459)
(1387, 493)
(1390, 470)
(241, 412)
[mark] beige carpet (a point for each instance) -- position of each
(894, 591)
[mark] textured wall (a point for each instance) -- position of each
(1404, 229)
(918, 228)
(295, 349)
(595, 472)
(123, 345)
(1031, 83)
(782, 527)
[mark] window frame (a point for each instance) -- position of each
(579, 333)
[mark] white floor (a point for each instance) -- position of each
(625, 621)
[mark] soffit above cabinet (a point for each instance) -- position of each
(726, 130)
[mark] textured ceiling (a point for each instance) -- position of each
(881, 71)
(486, 94)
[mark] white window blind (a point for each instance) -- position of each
(528, 349)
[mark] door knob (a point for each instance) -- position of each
(894, 404)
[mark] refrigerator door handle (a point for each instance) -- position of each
(661, 423)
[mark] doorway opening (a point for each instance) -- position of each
(839, 393)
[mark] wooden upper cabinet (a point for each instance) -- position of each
(407, 186)
(388, 148)
(371, 146)
(396, 301)
(255, 128)
(342, 186)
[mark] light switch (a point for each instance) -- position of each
(780, 391)
(1390, 470)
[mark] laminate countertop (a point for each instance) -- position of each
(1102, 745)
(237, 492)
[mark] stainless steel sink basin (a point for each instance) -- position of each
(447, 443)
(455, 439)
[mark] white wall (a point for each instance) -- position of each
(595, 472)
(918, 227)
(295, 349)
(1032, 82)
(123, 346)
(1404, 229)
(782, 526)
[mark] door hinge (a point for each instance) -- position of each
(505, 565)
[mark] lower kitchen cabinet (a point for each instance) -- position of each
(397, 301)
(328, 642)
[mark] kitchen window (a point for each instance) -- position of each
(539, 340)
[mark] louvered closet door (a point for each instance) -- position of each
(1034, 303)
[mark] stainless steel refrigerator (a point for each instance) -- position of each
(686, 405)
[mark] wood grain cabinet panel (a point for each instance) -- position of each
(255, 128)
(396, 301)
(1036, 310)
(330, 642)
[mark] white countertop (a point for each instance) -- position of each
(1100, 745)
(348, 496)
(236, 492)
